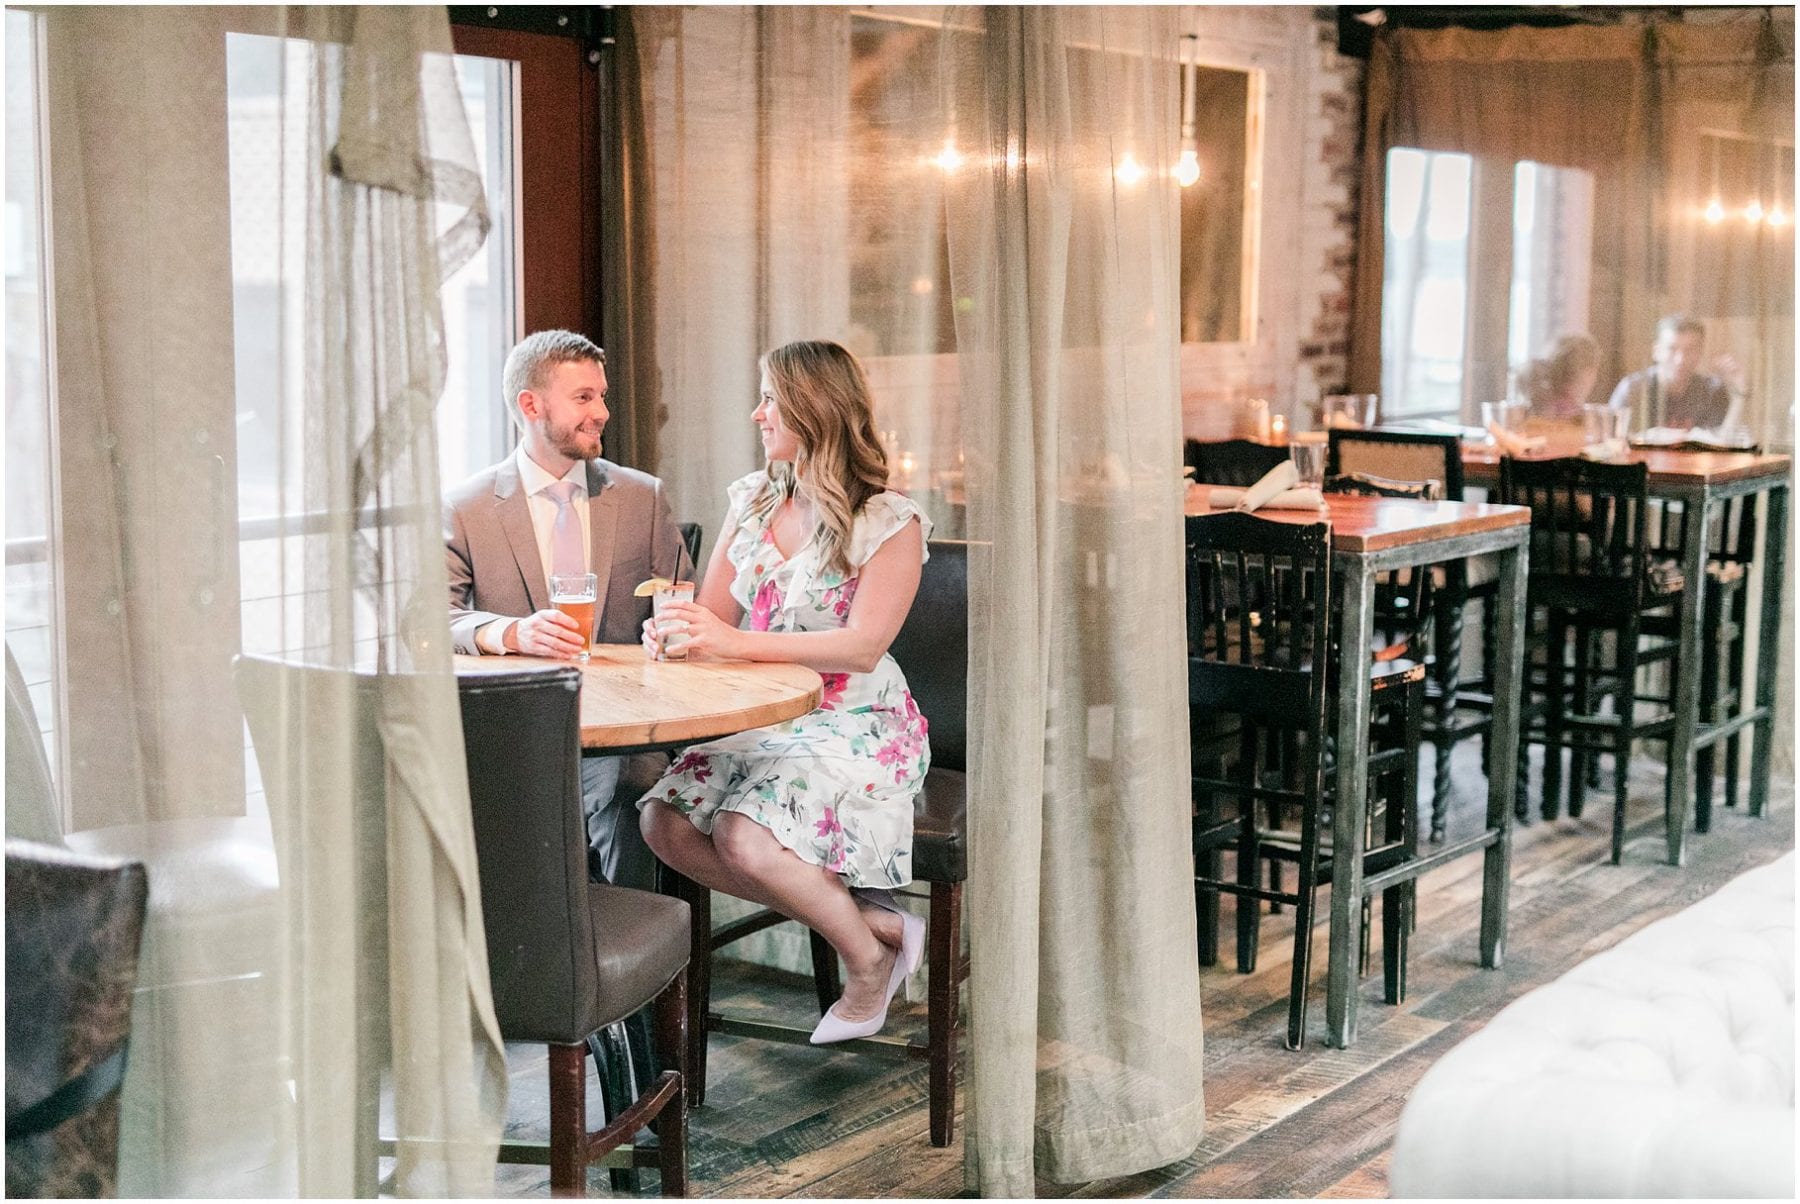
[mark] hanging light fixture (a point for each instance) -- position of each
(948, 159)
(1715, 208)
(1129, 171)
(1187, 167)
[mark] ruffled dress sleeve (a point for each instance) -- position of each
(881, 518)
(744, 532)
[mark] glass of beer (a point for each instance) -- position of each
(574, 595)
(673, 636)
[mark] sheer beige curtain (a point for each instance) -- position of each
(978, 203)
(1084, 996)
(218, 264)
(1665, 116)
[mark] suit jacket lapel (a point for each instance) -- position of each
(603, 522)
(515, 520)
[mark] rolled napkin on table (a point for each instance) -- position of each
(1275, 491)
(1512, 443)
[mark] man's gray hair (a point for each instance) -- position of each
(529, 363)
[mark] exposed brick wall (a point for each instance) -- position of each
(1333, 159)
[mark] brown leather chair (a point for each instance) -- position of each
(566, 956)
(933, 650)
(73, 925)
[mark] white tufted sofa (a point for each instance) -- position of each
(1662, 1067)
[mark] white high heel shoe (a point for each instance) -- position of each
(832, 1027)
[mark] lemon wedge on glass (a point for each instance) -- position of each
(646, 588)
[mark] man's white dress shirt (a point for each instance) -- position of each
(536, 481)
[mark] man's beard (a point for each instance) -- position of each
(568, 441)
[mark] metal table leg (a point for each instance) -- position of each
(1356, 592)
(1768, 651)
(1509, 669)
(1687, 678)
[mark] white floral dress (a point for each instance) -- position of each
(837, 784)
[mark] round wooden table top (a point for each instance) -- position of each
(629, 703)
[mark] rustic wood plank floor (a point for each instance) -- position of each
(786, 1120)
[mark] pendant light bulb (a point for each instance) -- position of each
(948, 159)
(1715, 212)
(1187, 168)
(1777, 217)
(1129, 171)
(1753, 212)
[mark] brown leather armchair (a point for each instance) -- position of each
(566, 956)
(73, 926)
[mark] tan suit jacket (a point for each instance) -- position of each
(495, 570)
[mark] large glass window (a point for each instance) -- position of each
(1484, 268)
(30, 592)
(479, 304)
(1426, 289)
(1553, 238)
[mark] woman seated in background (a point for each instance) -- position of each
(824, 560)
(1560, 383)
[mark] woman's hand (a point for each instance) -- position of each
(652, 645)
(709, 637)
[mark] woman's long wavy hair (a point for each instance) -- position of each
(824, 400)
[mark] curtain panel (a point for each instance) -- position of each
(977, 202)
(1084, 989)
(221, 264)
(1637, 106)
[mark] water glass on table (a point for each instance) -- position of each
(1505, 416)
(1603, 429)
(1308, 456)
(1349, 411)
(574, 594)
(673, 636)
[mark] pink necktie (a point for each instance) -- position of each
(566, 554)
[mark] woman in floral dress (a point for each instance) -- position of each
(817, 563)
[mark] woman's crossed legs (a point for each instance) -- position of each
(743, 858)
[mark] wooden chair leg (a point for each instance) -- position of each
(1705, 758)
(826, 984)
(1622, 736)
(1305, 890)
(1448, 671)
(698, 987)
(1550, 804)
(672, 1121)
(944, 959)
(568, 1120)
(1248, 909)
(1580, 758)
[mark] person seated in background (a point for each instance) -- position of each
(1672, 391)
(1560, 382)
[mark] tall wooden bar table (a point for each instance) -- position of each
(1370, 536)
(1700, 480)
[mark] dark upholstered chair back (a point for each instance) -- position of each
(73, 924)
(522, 739)
(933, 651)
(1398, 456)
(1237, 462)
(691, 534)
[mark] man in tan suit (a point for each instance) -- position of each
(555, 506)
